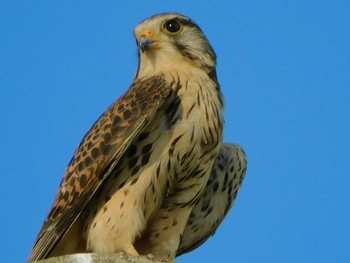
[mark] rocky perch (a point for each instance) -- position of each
(104, 258)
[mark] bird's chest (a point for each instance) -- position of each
(191, 126)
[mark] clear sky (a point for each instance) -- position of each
(284, 68)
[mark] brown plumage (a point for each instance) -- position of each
(217, 197)
(140, 170)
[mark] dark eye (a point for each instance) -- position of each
(172, 26)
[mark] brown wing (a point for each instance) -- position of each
(97, 154)
(216, 199)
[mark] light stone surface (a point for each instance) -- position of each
(104, 258)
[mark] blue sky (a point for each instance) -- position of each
(283, 68)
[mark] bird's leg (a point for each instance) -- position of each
(162, 238)
(131, 250)
(165, 229)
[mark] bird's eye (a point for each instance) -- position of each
(172, 26)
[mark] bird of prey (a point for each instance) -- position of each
(151, 175)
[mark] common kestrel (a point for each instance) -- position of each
(142, 179)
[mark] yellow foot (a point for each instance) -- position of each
(131, 250)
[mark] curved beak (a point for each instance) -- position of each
(146, 39)
(145, 43)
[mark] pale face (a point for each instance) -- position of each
(171, 38)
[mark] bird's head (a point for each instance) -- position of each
(167, 39)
